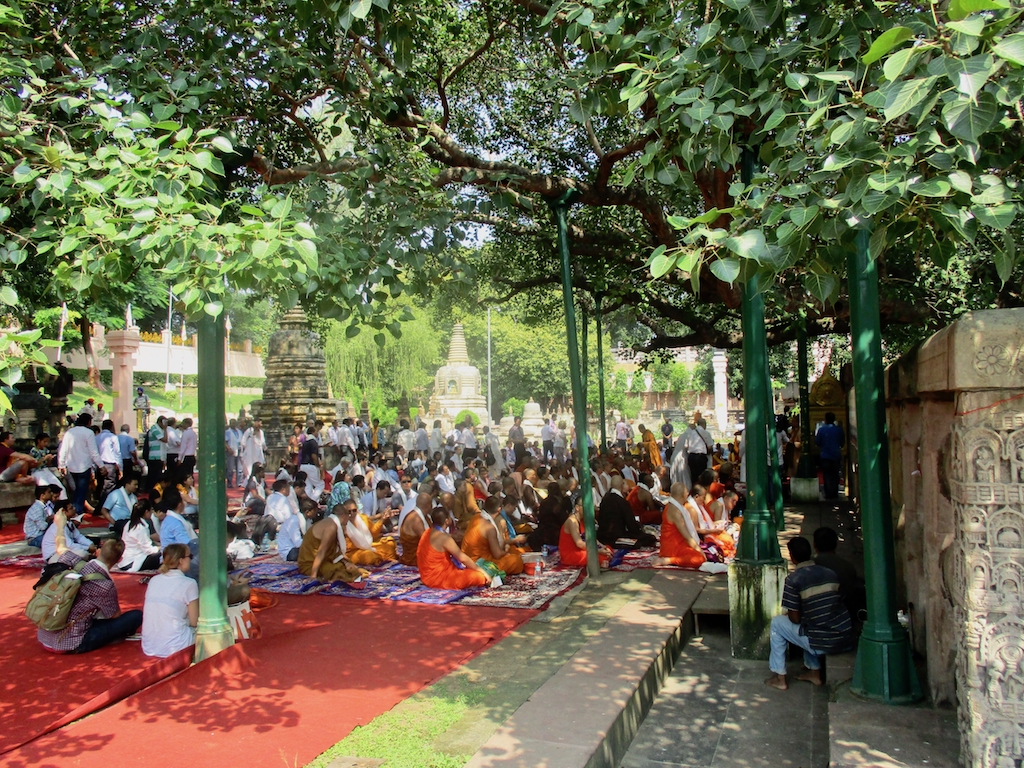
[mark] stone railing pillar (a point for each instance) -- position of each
(123, 345)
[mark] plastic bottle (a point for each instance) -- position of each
(265, 545)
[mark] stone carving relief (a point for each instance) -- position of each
(987, 491)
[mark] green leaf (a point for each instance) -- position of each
(221, 144)
(886, 42)
(360, 9)
(1011, 49)
(961, 9)
(352, 331)
(961, 181)
(749, 245)
(661, 262)
(797, 81)
(307, 250)
(997, 216)
(902, 97)
(820, 286)
(931, 188)
(897, 64)
(970, 75)
(380, 339)
(213, 308)
(969, 120)
(8, 296)
(803, 216)
(972, 27)
(304, 229)
(726, 270)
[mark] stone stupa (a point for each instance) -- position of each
(457, 384)
(295, 389)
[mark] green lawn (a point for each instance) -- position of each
(157, 398)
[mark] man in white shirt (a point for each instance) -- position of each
(695, 443)
(253, 445)
(232, 448)
(445, 483)
(621, 434)
(346, 439)
(109, 449)
(73, 539)
(277, 510)
(377, 500)
(77, 456)
(547, 439)
(292, 530)
(469, 444)
(406, 438)
(187, 448)
(422, 438)
(173, 436)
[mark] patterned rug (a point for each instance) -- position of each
(399, 582)
(24, 561)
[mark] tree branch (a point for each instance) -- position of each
(274, 176)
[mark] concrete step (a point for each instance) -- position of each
(587, 713)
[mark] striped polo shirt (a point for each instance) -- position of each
(813, 590)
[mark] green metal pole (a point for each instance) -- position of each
(600, 372)
(775, 472)
(214, 633)
(584, 325)
(560, 206)
(759, 541)
(806, 465)
(884, 668)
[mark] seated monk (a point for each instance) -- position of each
(363, 544)
(680, 544)
(437, 554)
(411, 527)
(615, 518)
(707, 526)
(322, 554)
(571, 546)
(646, 509)
(485, 540)
(464, 505)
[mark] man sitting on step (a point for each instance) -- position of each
(815, 620)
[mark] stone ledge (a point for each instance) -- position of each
(586, 714)
(16, 496)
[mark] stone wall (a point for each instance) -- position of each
(957, 437)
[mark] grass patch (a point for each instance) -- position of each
(404, 736)
(157, 399)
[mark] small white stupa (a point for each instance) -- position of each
(457, 385)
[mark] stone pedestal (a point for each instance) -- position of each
(719, 363)
(123, 345)
(803, 490)
(755, 598)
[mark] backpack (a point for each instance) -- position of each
(489, 457)
(51, 603)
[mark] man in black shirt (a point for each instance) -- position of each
(815, 620)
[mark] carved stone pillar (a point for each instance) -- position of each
(123, 345)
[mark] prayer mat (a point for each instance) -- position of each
(522, 591)
(24, 561)
(432, 596)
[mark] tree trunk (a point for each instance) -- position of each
(85, 328)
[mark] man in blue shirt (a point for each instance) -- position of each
(816, 619)
(830, 440)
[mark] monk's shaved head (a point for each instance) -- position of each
(617, 482)
(679, 491)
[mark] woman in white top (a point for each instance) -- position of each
(171, 610)
(141, 553)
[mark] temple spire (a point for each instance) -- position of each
(457, 353)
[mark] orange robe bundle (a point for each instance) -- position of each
(676, 549)
(644, 515)
(571, 554)
(475, 545)
(725, 542)
(382, 549)
(438, 571)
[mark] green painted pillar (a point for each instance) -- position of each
(214, 633)
(600, 372)
(759, 542)
(806, 467)
(560, 206)
(774, 469)
(884, 669)
(757, 575)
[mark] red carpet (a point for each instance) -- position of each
(321, 668)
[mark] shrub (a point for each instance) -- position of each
(515, 405)
(461, 416)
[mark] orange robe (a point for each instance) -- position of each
(676, 549)
(653, 452)
(725, 542)
(644, 515)
(409, 544)
(474, 544)
(571, 554)
(438, 571)
(383, 549)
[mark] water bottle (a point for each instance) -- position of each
(265, 545)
